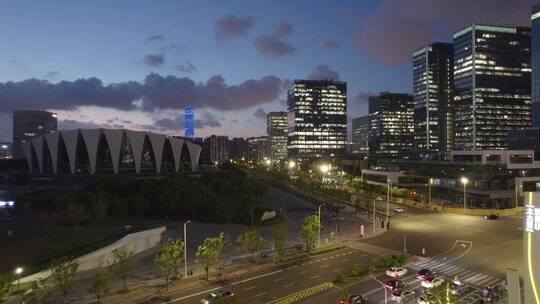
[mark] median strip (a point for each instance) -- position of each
(304, 293)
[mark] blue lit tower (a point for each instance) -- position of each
(189, 122)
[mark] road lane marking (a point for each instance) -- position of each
(260, 294)
(278, 279)
(337, 270)
(345, 260)
(249, 288)
(288, 285)
(373, 291)
(302, 272)
(325, 265)
(314, 277)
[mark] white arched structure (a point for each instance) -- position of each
(92, 140)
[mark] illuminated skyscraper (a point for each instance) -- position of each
(276, 127)
(189, 122)
(360, 136)
(317, 120)
(492, 85)
(535, 49)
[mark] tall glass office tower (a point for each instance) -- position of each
(189, 122)
(535, 49)
(492, 84)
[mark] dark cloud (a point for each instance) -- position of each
(69, 124)
(273, 46)
(207, 120)
(259, 113)
(175, 124)
(127, 121)
(231, 26)
(284, 29)
(154, 60)
(396, 28)
(52, 74)
(331, 44)
(155, 38)
(234, 121)
(155, 92)
(186, 67)
(322, 71)
(358, 104)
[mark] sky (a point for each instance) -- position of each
(137, 64)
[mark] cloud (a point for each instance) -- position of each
(186, 67)
(414, 23)
(358, 104)
(284, 29)
(331, 44)
(155, 92)
(322, 71)
(175, 124)
(154, 60)
(52, 74)
(155, 38)
(69, 124)
(231, 26)
(207, 120)
(272, 46)
(260, 114)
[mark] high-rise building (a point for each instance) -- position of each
(189, 122)
(433, 74)
(30, 124)
(276, 129)
(5, 150)
(360, 136)
(257, 148)
(492, 84)
(391, 118)
(317, 120)
(217, 148)
(535, 57)
(238, 148)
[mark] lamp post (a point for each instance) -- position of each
(389, 185)
(185, 248)
(291, 166)
(319, 232)
(374, 214)
(18, 272)
(517, 194)
(464, 181)
(430, 181)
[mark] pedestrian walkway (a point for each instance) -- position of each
(373, 249)
(452, 271)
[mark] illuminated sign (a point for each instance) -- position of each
(532, 218)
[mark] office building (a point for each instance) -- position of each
(524, 139)
(433, 69)
(189, 122)
(535, 61)
(238, 148)
(360, 136)
(391, 132)
(257, 149)
(30, 124)
(317, 120)
(216, 148)
(5, 150)
(492, 85)
(276, 129)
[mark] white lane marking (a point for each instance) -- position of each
(484, 281)
(474, 277)
(232, 284)
(314, 277)
(260, 294)
(288, 285)
(337, 270)
(278, 279)
(453, 271)
(373, 291)
(345, 260)
(251, 287)
(325, 265)
(302, 272)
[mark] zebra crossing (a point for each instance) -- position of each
(373, 249)
(454, 271)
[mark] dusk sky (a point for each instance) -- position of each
(137, 64)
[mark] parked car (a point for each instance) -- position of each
(215, 296)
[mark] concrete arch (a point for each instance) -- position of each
(70, 141)
(136, 140)
(157, 141)
(91, 142)
(52, 141)
(114, 140)
(27, 149)
(194, 154)
(176, 145)
(37, 144)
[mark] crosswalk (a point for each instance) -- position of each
(453, 271)
(373, 249)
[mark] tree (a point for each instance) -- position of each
(280, 235)
(211, 249)
(169, 259)
(310, 230)
(5, 286)
(62, 273)
(40, 293)
(99, 286)
(250, 240)
(122, 266)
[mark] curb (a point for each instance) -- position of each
(305, 293)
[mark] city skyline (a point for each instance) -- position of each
(235, 69)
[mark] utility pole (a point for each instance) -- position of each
(389, 185)
(185, 248)
(405, 242)
(319, 232)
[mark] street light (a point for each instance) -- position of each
(185, 248)
(464, 181)
(292, 164)
(18, 272)
(377, 199)
(324, 168)
(268, 162)
(517, 194)
(319, 232)
(389, 185)
(430, 182)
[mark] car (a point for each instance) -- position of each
(354, 299)
(492, 217)
(394, 284)
(395, 272)
(425, 273)
(215, 296)
(399, 295)
(431, 282)
(398, 209)
(456, 287)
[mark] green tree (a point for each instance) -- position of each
(169, 259)
(5, 286)
(62, 274)
(310, 230)
(122, 266)
(280, 235)
(99, 286)
(40, 293)
(250, 241)
(211, 249)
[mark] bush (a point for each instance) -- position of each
(340, 279)
(356, 272)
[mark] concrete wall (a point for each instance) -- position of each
(136, 242)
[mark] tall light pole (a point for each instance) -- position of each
(185, 248)
(430, 181)
(18, 272)
(374, 214)
(389, 185)
(319, 232)
(464, 181)
(517, 194)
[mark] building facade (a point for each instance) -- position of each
(6, 151)
(217, 148)
(257, 149)
(30, 124)
(391, 131)
(492, 84)
(433, 74)
(276, 130)
(189, 122)
(238, 148)
(524, 139)
(317, 120)
(360, 136)
(535, 61)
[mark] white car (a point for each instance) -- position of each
(398, 209)
(432, 282)
(395, 272)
